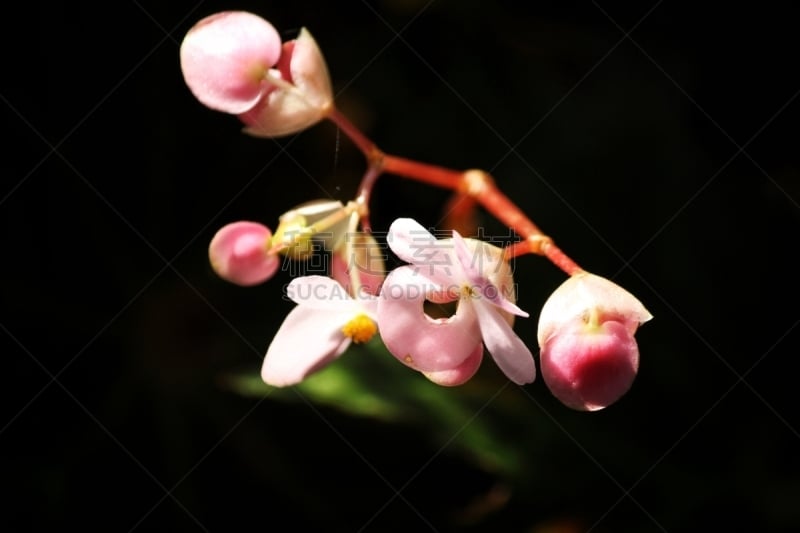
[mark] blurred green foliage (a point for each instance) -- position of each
(368, 382)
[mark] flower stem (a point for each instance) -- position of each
(473, 183)
(367, 147)
(430, 174)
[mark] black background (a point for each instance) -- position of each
(657, 145)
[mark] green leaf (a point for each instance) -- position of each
(481, 418)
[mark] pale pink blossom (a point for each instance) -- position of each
(474, 274)
(317, 331)
(234, 62)
(225, 58)
(240, 253)
(589, 357)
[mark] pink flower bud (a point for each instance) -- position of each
(589, 367)
(239, 253)
(301, 94)
(225, 59)
(589, 357)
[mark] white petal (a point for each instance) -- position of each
(507, 349)
(320, 292)
(466, 257)
(504, 304)
(480, 284)
(583, 293)
(414, 244)
(312, 210)
(310, 72)
(307, 340)
(369, 305)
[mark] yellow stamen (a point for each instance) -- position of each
(361, 328)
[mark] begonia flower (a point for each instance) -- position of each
(589, 357)
(225, 58)
(318, 330)
(234, 62)
(474, 274)
(240, 253)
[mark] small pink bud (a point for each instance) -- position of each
(225, 58)
(239, 253)
(589, 357)
(589, 367)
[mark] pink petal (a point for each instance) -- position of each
(239, 253)
(359, 251)
(587, 367)
(370, 279)
(507, 349)
(413, 337)
(307, 340)
(460, 374)
(224, 59)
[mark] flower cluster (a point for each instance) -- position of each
(235, 62)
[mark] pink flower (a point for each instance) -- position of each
(471, 272)
(240, 253)
(234, 62)
(317, 331)
(225, 58)
(589, 357)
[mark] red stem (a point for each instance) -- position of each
(367, 147)
(430, 174)
(475, 183)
